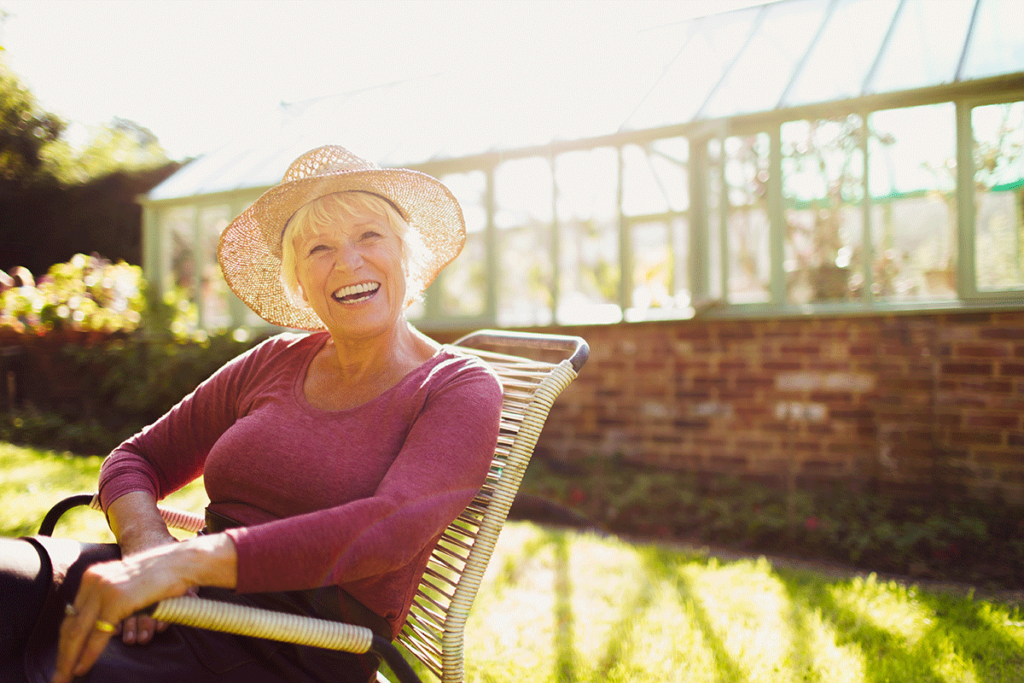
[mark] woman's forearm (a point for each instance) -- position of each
(137, 524)
(203, 561)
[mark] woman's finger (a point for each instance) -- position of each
(130, 630)
(83, 635)
(145, 628)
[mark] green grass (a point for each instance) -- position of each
(32, 480)
(574, 607)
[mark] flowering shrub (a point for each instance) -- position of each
(86, 294)
(95, 359)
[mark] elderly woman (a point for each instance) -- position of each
(333, 460)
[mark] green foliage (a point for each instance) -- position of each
(965, 540)
(120, 145)
(25, 130)
(121, 359)
(86, 294)
(33, 149)
(50, 430)
(143, 376)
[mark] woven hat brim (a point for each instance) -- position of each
(249, 250)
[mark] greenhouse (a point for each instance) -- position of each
(797, 157)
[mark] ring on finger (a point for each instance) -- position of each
(104, 626)
(70, 611)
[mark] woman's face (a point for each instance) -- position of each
(351, 273)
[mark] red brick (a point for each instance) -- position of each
(984, 386)
(955, 400)
(967, 368)
(982, 351)
(978, 319)
(692, 331)
(851, 414)
(820, 467)
(863, 350)
(966, 438)
(1011, 369)
(795, 350)
(991, 457)
(1013, 333)
(993, 421)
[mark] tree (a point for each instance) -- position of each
(56, 199)
(25, 131)
(118, 146)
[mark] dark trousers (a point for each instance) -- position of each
(38, 576)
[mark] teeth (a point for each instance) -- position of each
(355, 290)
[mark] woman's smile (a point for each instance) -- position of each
(358, 293)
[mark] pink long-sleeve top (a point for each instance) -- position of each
(355, 498)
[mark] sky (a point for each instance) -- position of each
(201, 72)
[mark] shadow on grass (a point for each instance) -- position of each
(565, 619)
(663, 565)
(957, 628)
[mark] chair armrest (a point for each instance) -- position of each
(228, 617)
(576, 348)
(175, 519)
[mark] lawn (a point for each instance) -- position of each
(572, 607)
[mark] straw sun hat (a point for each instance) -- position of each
(250, 247)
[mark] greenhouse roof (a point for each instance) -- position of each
(770, 57)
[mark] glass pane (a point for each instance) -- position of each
(659, 269)
(822, 189)
(757, 80)
(178, 228)
(713, 287)
(746, 176)
(925, 47)
(997, 42)
(843, 54)
(523, 190)
(588, 220)
(999, 205)
(655, 177)
(462, 285)
(912, 156)
(215, 292)
(703, 52)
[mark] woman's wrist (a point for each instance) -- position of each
(211, 560)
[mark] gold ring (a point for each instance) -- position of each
(104, 626)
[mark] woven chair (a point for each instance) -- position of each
(434, 631)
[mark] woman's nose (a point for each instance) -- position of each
(349, 257)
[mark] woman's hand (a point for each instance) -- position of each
(113, 591)
(109, 593)
(139, 629)
(137, 524)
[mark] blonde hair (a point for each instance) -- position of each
(322, 211)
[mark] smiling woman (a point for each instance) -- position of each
(333, 461)
(319, 218)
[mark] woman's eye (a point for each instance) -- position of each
(317, 247)
(371, 234)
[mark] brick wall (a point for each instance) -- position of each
(919, 405)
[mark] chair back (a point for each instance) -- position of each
(434, 631)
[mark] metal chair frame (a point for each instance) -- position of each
(434, 631)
